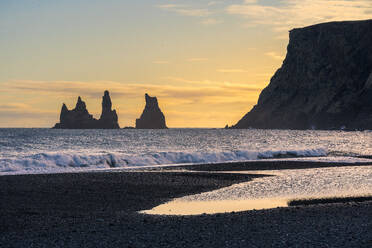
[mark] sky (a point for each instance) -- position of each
(205, 60)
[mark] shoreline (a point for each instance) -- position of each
(93, 209)
(261, 165)
(254, 165)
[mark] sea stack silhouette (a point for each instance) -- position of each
(79, 117)
(152, 117)
(325, 81)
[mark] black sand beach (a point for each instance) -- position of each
(100, 210)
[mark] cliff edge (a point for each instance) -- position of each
(325, 81)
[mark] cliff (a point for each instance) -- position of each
(79, 117)
(325, 81)
(152, 117)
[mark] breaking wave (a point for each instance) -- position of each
(63, 162)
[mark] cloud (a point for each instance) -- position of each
(161, 62)
(208, 12)
(195, 89)
(185, 10)
(66, 88)
(128, 90)
(231, 70)
(13, 106)
(197, 59)
(210, 22)
(298, 13)
(211, 3)
(23, 115)
(275, 56)
(252, 87)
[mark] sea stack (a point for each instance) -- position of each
(109, 118)
(79, 117)
(152, 117)
(325, 81)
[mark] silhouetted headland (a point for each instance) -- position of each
(79, 117)
(152, 117)
(325, 81)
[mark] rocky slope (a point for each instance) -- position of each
(325, 81)
(79, 117)
(152, 117)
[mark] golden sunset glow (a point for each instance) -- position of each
(206, 61)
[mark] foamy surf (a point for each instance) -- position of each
(64, 162)
(25, 151)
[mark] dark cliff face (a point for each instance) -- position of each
(152, 117)
(79, 117)
(325, 81)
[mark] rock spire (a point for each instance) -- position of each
(79, 117)
(152, 117)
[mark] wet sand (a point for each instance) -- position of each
(263, 165)
(100, 210)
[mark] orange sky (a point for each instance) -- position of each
(206, 61)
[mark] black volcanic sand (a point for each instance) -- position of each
(100, 210)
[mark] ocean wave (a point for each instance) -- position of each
(59, 162)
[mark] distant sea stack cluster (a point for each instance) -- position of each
(79, 117)
(325, 81)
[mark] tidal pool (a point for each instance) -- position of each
(177, 207)
(273, 191)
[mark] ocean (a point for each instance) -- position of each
(28, 151)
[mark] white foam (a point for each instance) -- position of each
(64, 161)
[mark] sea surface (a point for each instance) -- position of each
(24, 151)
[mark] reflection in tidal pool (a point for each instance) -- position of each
(177, 207)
